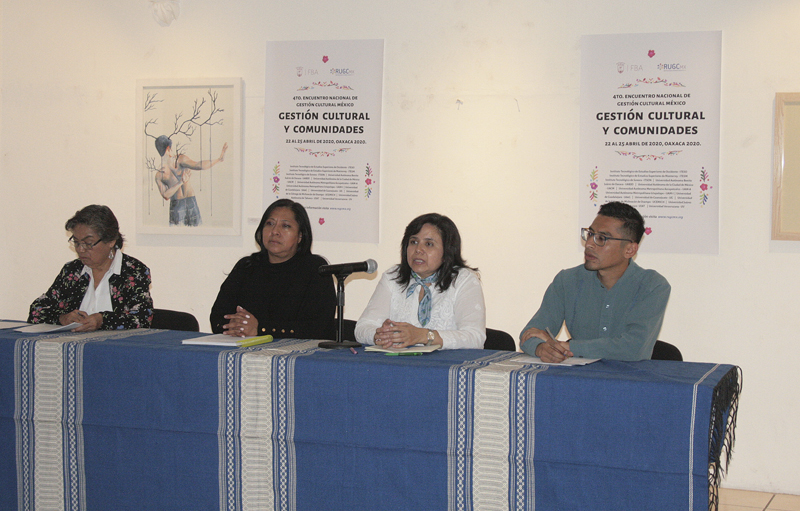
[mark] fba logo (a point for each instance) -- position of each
(304, 71)
(622, 67)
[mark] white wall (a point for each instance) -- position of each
(503, 165)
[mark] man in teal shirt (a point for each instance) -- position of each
(612, 307)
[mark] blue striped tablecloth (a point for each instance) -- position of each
(135, 420)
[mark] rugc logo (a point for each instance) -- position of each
(672, 67)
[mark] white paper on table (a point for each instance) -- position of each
(42, 328)
(571, 361)
(6, 324)
(416, 348)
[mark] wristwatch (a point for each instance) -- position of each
(431, 338)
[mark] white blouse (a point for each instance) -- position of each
(99, 299)
(458, 314)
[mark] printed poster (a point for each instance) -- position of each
(322, 133)
(650, 108)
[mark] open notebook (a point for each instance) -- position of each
(416, 349)
(228, 340)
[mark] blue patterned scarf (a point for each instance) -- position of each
(424, 311)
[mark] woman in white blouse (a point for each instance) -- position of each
(431, 297)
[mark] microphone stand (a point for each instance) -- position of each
(340, 343)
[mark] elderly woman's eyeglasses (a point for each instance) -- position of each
(82, 245)
(599, 239)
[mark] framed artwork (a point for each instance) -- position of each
(188, 156)
(786, 176)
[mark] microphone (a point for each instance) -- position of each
(368, 266)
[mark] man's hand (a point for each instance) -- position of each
(551, 350)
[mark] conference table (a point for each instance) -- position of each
(134, 419)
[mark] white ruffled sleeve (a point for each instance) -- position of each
(469, 313)
(378, 309)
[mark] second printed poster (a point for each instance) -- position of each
(322, 133)
(650, 134)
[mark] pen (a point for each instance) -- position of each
(403, 354)
(547, 329)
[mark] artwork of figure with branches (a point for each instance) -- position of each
(173, 173)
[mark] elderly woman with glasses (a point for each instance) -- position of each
(103, 289)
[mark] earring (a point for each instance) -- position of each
(111, 254)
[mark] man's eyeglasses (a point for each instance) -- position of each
(599, 239)
(82, 245)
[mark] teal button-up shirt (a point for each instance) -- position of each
(621, 323)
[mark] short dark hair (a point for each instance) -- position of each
(101, 220)
(452, 261)
(633, 223)
(162, 143)
(303, 224)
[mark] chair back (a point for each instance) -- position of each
(348, 329)
(499, 340)
(174, 320)
(666, 351)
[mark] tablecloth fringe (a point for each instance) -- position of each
(722, 431)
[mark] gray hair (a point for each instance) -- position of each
(101, 220)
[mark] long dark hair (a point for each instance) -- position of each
(451, 247)
(303, 224)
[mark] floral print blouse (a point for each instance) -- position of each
(130, 296)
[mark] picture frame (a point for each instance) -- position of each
(786, 174)
(189, 156)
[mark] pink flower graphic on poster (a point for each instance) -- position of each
(276, 179)
(593, 184)
(325, 59)
(704, 186)
(321, 221)
(368, 182)
(648, 230)
(651, 54)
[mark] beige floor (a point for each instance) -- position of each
(740, 500)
